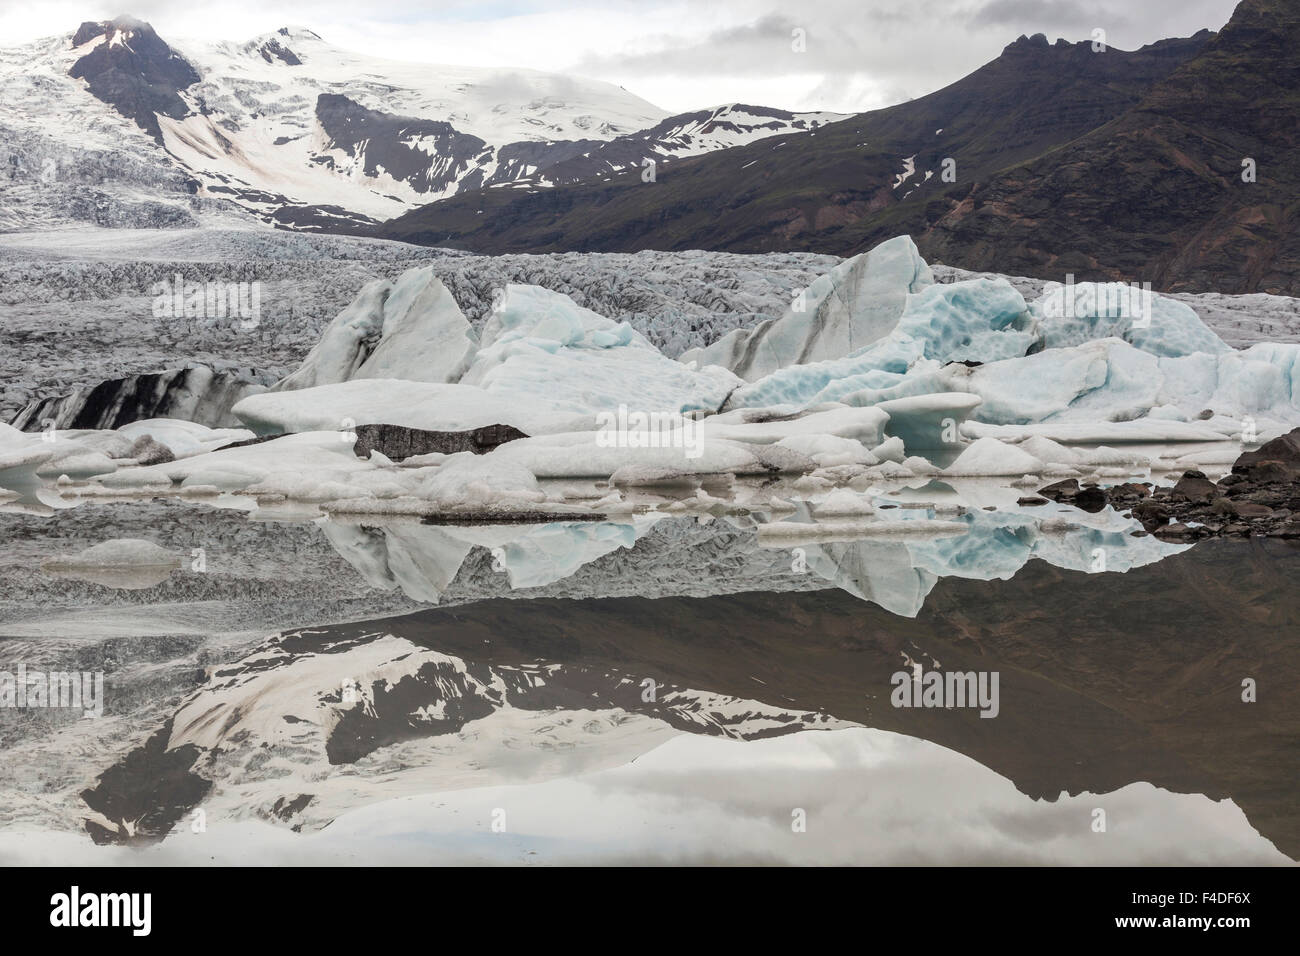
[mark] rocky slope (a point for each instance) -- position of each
(1159, 194)
(1104, 164)
(826, 190)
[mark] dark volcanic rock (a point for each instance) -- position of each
(1260, 497)
(1091, 500)
(1284, 451)
(134, 71)
(386, 141)
(1061, 490)
(1194, 486)
(147, 451)
(397, 442)
(273, 50)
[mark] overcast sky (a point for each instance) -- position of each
(868, 796)
(679, 54)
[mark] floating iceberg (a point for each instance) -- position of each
(875, 374)
(1070, 314)
(540, 346)
(857, 303)
(435, 407)
(409, 329)
(979, 320)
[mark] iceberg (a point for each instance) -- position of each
(977, 320)
(410, 328)
(541, 346)
(1071, 314)
(427, 405)
(878, 374)
(857, 303)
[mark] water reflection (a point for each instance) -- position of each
(574, 667)
(1106, 682)
(890, 561)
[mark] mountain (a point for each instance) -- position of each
(130, 67)
(304, 135)
(1107, 164)
(68, 156)
(823, 189)
(1158, 194)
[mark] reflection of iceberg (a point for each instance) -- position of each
(899, 574)
(881, 572)
(871, 555)
(131, 564)
(1000, 543)
(420, 559)
(423, 560)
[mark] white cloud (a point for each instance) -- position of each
(679, 54)
(870, 797)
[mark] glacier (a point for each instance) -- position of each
(877, 380)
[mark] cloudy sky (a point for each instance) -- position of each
(679, 54)
(867, 796)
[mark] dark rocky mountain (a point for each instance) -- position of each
(1159, 194)
(134, 71)
(1103, 163)
(386, 144)
(825, 189)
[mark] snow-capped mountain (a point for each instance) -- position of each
(303, 134)
(677, 137)
(354, 714)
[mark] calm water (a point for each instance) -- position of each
(664, 690)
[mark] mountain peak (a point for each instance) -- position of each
(1036, 42)
(285, 45)
(298, 33)
(134, 70)
(124, 26)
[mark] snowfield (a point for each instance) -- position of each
(286, 128)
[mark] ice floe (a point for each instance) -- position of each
(875, 374)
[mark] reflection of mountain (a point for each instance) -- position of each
(1105, 680)
(319, 721)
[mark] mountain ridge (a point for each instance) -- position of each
(1034, 97)
(304, 135)
(1107, 165)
